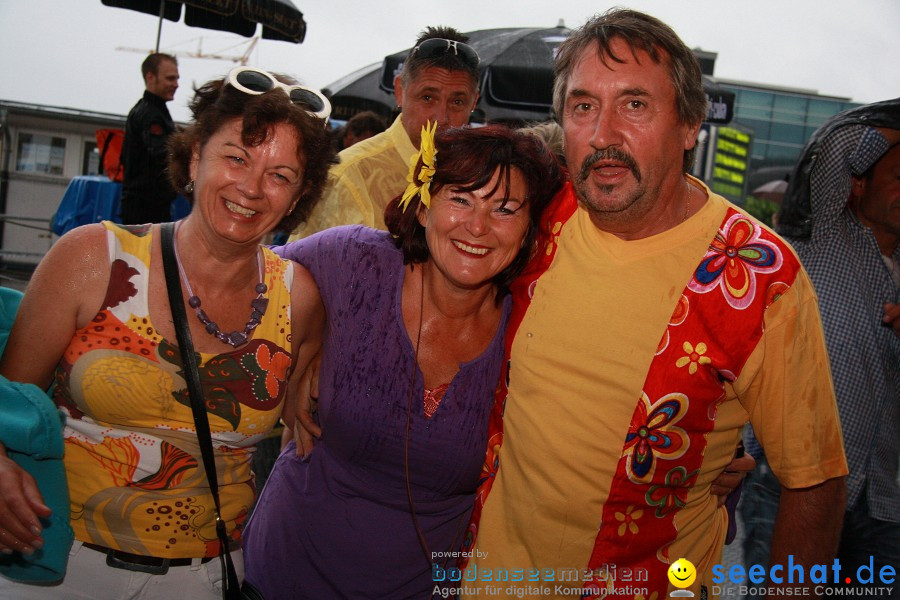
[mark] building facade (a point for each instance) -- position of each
(780, 120)
(41, 149)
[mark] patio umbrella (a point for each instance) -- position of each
(359, 91)
(772, 190)
(516, 79)
(280, 18)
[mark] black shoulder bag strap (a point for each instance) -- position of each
(230, 585)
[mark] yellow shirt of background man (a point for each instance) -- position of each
(370, 174)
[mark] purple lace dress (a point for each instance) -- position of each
(337, 524)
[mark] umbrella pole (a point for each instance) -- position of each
(162, 10)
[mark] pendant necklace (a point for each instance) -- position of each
(259, 305)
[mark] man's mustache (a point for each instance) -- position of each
(608, 154)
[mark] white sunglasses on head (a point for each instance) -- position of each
(255, 82)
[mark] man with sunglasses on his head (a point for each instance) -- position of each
(438, 82)
(146, 193)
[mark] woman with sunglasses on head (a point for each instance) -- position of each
(411, 356)
(96, 322)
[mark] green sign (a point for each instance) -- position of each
(730, 161)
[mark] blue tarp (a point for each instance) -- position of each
(95, 198)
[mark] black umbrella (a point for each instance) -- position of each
(280, 18)
(516, 79)
(359, 91)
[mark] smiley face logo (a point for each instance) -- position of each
(682, 573)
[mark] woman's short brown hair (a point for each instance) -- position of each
(215, 104)
(467, 159)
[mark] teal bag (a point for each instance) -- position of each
(31, 430)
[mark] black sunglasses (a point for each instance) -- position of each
(439, 47)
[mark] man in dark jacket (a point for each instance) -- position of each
(146, 193)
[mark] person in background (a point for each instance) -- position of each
(438, 83)
(146, 192)
(657, 320)
(361, 126)
(552, 134)
(842, 215)
(96, 322)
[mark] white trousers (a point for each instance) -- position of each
(89, 577)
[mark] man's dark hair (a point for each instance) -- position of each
(466, 160)
(450, 61)
(216, 104)
(365, 122)
(152, 62)
(641, 32)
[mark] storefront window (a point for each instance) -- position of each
(39, 153)
(90, 163)
(751, 104)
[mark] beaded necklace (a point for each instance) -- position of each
(259, 305)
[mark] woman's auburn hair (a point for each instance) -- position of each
(467, 158)
(216, 104)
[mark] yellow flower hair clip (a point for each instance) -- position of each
(419, 185)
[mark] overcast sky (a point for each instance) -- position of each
(64, 52)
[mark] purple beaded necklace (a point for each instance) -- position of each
(259, 305)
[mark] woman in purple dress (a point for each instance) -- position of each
(411, 356)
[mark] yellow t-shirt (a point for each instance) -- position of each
(370, 174)
(132, 458)
(577, 370)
